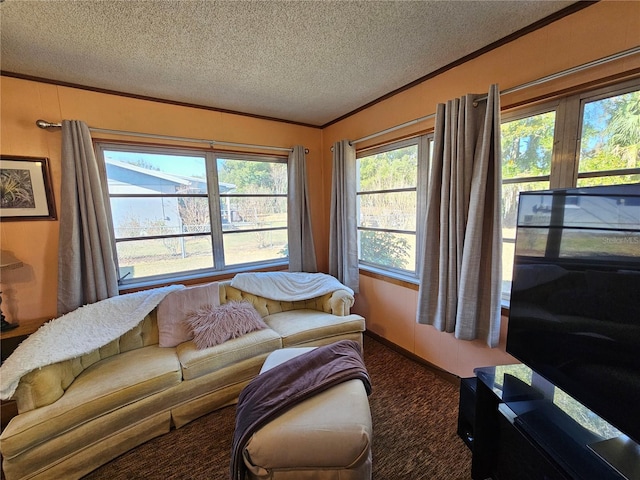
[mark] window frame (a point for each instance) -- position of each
(214, 198)
(251, 158)
(424, 145)
(594, 96)
(565, 159)
(515, 115)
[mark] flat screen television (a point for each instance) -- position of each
(575, 298)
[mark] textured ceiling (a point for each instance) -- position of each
(308, 62)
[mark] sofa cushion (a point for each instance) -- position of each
(196, 363)
(304, 326)
(174, 308)
(102, 388)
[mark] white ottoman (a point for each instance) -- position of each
(325, 437)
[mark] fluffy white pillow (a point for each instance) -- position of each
(213, 325)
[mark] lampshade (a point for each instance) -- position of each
(8, 261)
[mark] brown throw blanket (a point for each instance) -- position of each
(279, 389)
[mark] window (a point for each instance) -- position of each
(527, 147)
(253, 209)
(586, 139)
(179, 213)
(610, 140)
(391, 193)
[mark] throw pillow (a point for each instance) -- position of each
(174, 308)
(215, 325)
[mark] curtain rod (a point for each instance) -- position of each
(554, 76)
(47, 125)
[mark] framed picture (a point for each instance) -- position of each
(25, 189)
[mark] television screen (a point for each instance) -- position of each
(575, 299)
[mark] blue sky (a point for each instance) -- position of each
(174, 164)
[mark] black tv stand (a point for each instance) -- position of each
(621, 452)
(525, 428)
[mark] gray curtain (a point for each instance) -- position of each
(86, 265)
(461, 277)
(302, 253)
(343, 234)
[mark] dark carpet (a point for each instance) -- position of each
(414, 432)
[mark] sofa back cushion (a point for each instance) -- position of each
(143, 335)
(265, 306)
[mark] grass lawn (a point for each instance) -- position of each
(162, 256)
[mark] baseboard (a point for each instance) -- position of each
(448, 376)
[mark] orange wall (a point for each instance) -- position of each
(30, 292)
(602, 29)
(595, 32)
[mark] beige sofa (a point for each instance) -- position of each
(78, 414)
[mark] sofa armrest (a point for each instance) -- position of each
(46, 385)
(340, 303)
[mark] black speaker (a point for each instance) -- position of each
(467, 410)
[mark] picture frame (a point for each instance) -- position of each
(25, 189)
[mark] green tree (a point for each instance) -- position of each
(386, 171)
(247, 176)
(527, 148)
(389, 170)
(624, 128)
(611, 137)
(384, 248)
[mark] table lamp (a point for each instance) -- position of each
(7, 262)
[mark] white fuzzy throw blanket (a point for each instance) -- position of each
(287, 286)
(77, 333)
